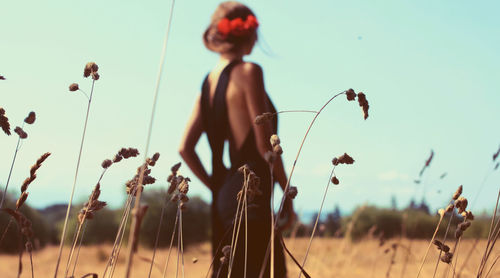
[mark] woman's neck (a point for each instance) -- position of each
(226, 58)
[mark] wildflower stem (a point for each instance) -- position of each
(300, 149)
(10, 173)
(430, 244)
(171, 243)
(444, 242)
(317, 220)
(78, 252)
(157, 236)
(65, 226)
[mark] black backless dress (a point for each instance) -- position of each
(226, 183)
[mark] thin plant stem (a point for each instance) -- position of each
(178, 243)
(430, 244)
(171, 243)
(73, 249)
(165, 203)
(31, 262)
(492, 265)
(271, 267)
(235, 224)
(484, 258)
(119, 247)
(444, 242)
(246, 233)
(316, 221)
(10, 173)
(65, 226)
(240, 217)
(130, 256)
(117, 238)
(78, 252)
(182, 243)
(300, 149)
(296, 111)
(469, 254)
(6, 230)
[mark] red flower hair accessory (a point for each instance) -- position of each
(237, 27)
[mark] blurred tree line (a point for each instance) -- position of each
(414, 221)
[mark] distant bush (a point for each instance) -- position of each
(10, 243)
(414, 223)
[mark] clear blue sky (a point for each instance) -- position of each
(430, 70)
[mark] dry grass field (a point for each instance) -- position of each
(329, 258)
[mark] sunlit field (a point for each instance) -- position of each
(329, 258)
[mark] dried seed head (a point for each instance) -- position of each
(106, 163)
(292, 192)
(183, 197)
(450, 208)
(441, 212)
(21, 200)
(22, 134)
(275, 140)
(468, 215)
(174, 198)
(4, 122)
(155, 157)
(343, 159)
(458, 233)
(117, 158)
(277, 150)
(2, 77)
(464, 225)
(73, 87)
(175, 168)
(461, 204)
(458, 192)
(335, 180)
(335, 161)
(95, 76)
(90, 67)
(438, 243)
(446, 258)
(260, 119)
(495, 155)
(31, 118)
(184, 186)
(351, 95)
(363, 103)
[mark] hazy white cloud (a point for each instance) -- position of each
(393, 175)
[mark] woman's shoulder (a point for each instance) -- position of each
(247, 72)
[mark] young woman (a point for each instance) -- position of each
(232, 96)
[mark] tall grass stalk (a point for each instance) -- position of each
(130, 254)
(119, 236)
(238, 218)
(444, 242)
(171, 244)
(493, 235)
(65, 226)
(163, 207)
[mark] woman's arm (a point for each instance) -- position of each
(191, 136)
